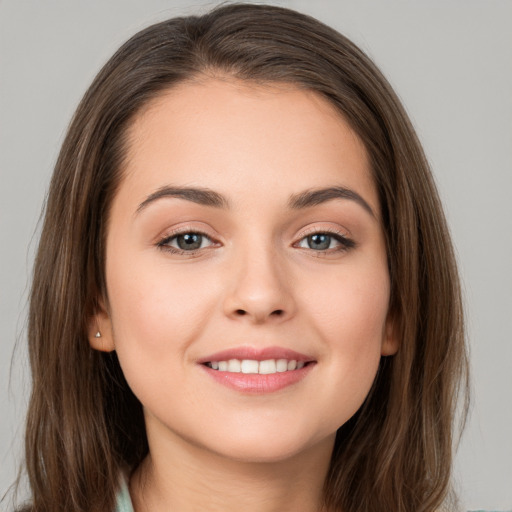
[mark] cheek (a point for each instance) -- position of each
(349, 314)
(351, 306)
(156, 315)
(154, 307)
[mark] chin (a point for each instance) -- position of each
(269, 448)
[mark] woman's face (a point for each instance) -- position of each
(246, 270)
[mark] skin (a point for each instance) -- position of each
(257, 283)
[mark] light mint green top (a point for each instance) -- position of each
(124, 502)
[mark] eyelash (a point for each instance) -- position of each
(163, 244)
(345, 242)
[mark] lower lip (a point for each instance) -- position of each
(257, 383)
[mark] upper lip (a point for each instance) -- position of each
(257, 354)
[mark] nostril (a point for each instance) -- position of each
(275, 313)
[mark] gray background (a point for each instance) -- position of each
(450, 62)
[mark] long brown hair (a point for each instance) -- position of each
(85, 426)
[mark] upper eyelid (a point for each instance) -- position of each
(173, 232)
(171, 236)
(329, 231)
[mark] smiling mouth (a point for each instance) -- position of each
(253, 366)
(258, 371)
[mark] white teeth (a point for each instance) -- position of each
(266, 367)
(281, 365)
(234, 366)
(249, 366)
(292, 364)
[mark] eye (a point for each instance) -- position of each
(189, 241)
(325, 241)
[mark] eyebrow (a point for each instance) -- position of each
(315, 197)
(208, 197)
(203, 196)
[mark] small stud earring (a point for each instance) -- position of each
(98, 335)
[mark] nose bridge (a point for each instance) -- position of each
(259, 289)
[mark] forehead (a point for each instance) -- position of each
(232, 135)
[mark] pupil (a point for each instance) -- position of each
(319, 241)
(189, 241)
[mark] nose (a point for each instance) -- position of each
(259, 290)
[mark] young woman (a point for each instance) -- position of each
(245, 296)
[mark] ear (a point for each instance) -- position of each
(390, 342)
(99, 330)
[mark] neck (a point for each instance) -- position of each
(183, 478)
